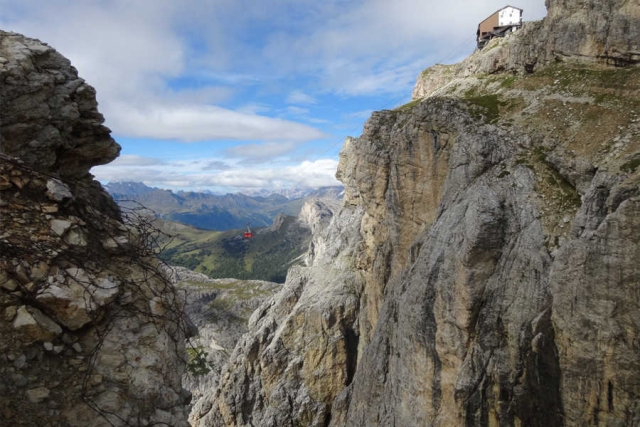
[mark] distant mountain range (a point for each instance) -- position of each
(217, 212)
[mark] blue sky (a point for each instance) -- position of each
(242, 95)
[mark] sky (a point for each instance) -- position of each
(245, 95)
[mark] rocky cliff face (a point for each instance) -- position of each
(483, 269)
(91, 332)
(220, 309)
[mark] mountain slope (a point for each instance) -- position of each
(215, 212)
(483, 270)
(266, 256)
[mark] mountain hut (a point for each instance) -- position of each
(499, 24)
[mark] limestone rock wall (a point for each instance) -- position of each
(301, 349)
(220, 309)
(605, 30)
(91, 331)
(450, 304)
(317, 214)
(483, 268)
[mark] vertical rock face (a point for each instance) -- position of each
(91, 332)
(483, 269)
(606, 30)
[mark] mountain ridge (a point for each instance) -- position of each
(215, 212)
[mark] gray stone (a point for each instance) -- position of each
(68, 338)
(6, 282)
(10, 285)
(35, 324)
(10, 313)
(116, 243)
(20, 362)
(60, 226)
(32, 352)
(20, 381)
(76, 301)
(574, 31)
(77, 237)
(58, 191)
(38, 394)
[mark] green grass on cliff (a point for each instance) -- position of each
(488, 107)
(631, 166)
(408, 105)
(575, 76)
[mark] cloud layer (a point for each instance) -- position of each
(211, 173)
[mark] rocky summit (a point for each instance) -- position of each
(91, 332)
(483, 270)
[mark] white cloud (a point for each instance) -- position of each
(296, 111)
(203, 95)
(261, 151)
(133, 160)
(299, 97)
(379, 46)
(215, 165)
(130, 51)
(307, 174)
(253, 108)
(126, 48)
(200, 123)
(164, 68)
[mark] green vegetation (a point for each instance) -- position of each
(230, 295)
(489, 107)
(555, 179)
(267, 256)
(197, 361)
(223, 308)
(566, 76)
(508, 82)
(524, 161)
(408, 105)
(236, 289)
(631, 166)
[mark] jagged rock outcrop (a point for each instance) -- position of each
(91, 333)
(317, 214)
(301, 348)
(483, 269)
(220, 309)
(606, 30)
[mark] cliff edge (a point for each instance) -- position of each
(483, 269)
(91, 331)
